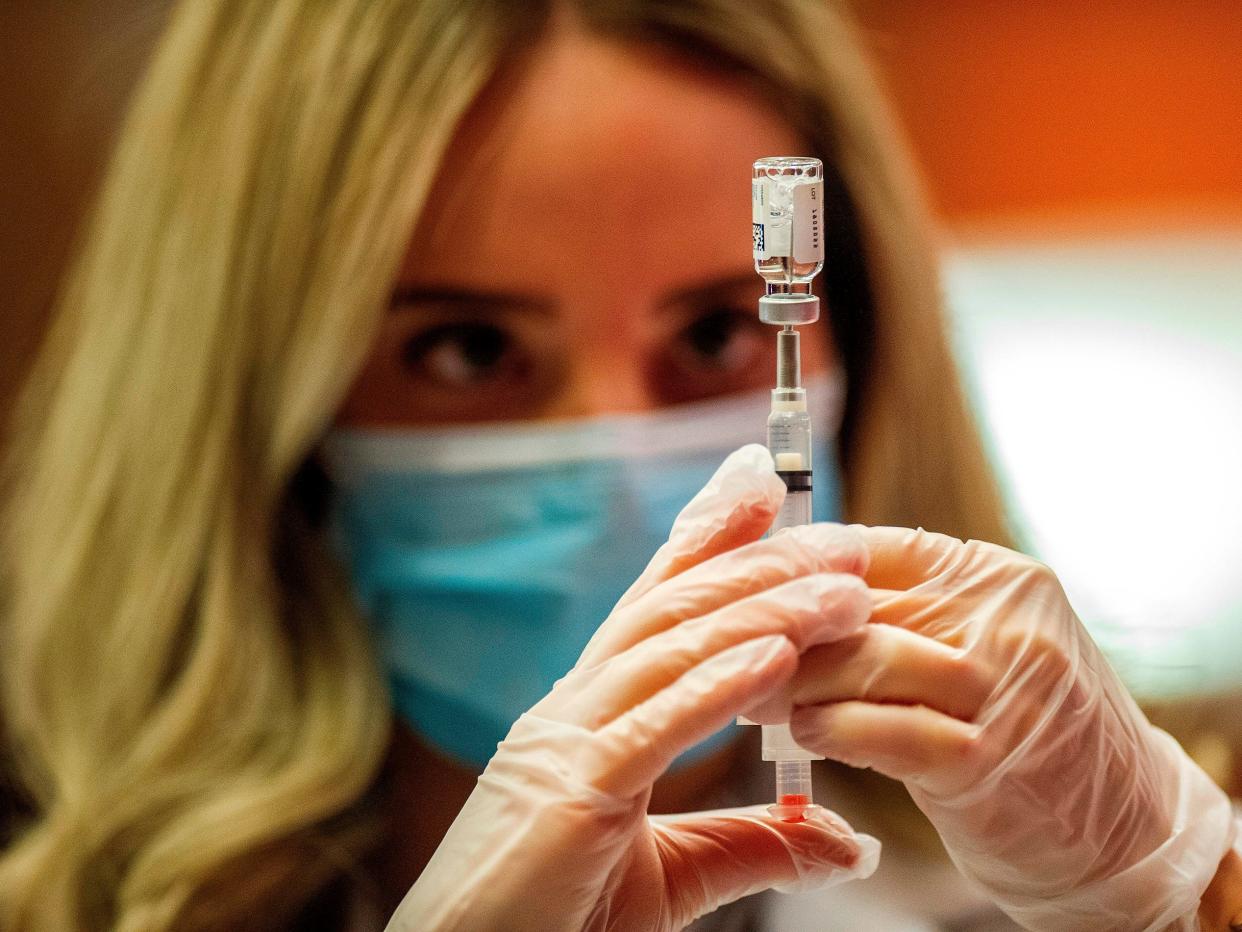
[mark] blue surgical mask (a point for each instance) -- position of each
(486, 557)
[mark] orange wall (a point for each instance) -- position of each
(1043, 105)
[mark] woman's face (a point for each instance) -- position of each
(585, 250)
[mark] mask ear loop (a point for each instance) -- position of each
(705, 426)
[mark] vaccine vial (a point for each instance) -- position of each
(787, 210)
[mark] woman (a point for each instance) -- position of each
(194, 713)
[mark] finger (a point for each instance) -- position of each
(809, 610)
(884, 664)
(638, 746)
(902, 558)
(914, 608)
(736, 507)
(713, 858)
(950, 614)
(912, 743)
(726, 578)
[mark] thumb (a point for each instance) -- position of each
(713, 858)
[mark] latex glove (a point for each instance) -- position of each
(556, 833)
(979, 688)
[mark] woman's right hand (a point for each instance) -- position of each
(556, 834)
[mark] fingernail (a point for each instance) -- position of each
(753, 457)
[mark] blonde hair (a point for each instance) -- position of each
(192, 714)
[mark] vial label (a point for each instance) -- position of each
(758, 208)
(770, 217)
(808, 236)
(787, 219)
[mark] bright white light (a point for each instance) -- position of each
(1110, 378)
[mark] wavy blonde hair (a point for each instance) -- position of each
(192, 713)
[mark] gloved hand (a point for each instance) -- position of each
(979, 688)
(556, 834)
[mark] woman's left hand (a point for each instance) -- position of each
(556, 834)
(978, 687)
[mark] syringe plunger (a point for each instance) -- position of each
(788, 359)
(793, 791)
(794, 798)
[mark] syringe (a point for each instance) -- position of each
(787, 199)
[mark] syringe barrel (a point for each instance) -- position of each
(789, 441)
(795, 511)
(789, 430)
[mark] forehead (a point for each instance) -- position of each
(605, 156)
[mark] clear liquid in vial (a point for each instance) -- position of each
(784, 270)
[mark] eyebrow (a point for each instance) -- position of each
(452, 298)
(716, 289)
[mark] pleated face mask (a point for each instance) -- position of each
(486, 557)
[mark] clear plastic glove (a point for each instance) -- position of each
(979, 688)
(556, 834)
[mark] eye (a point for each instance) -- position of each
(462, 354)
(724, 339)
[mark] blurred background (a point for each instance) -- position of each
(1086, 161)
